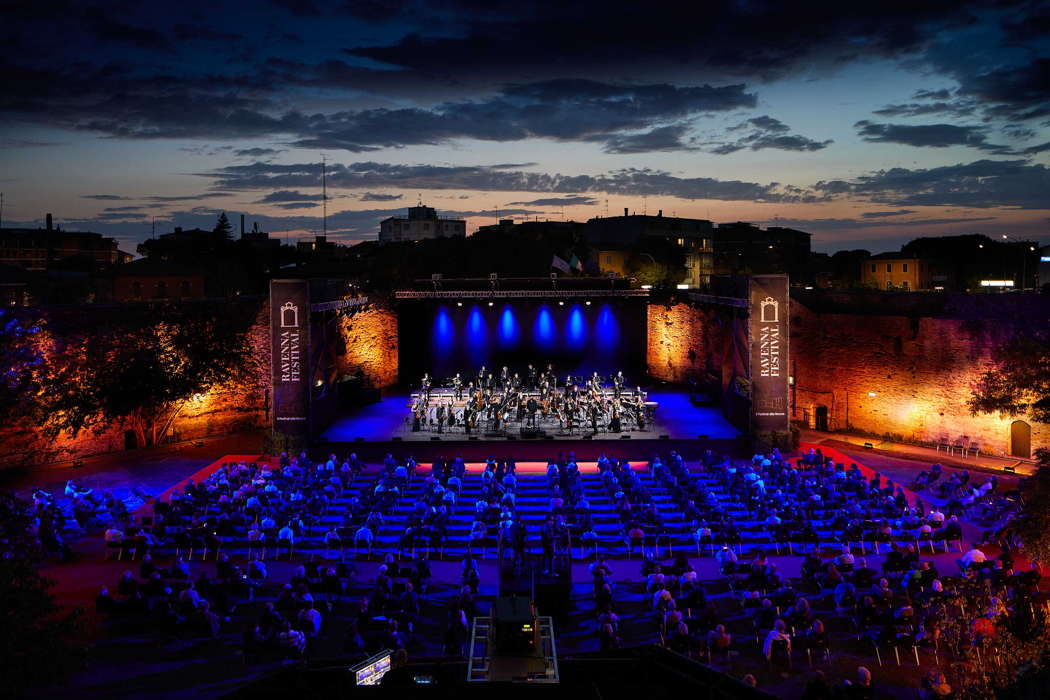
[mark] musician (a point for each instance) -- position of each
(530, 377)
(440, 416)
(570, 388)
(482, 373)
(425, 386)
(457, 387)
(504, 377)
(531, 406)
(639, 409)
(596, 382)
(618, 382)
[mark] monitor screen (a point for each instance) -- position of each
(371, 670)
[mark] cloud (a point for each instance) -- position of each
(378, 197)
(766, 132)
(202, 32)
(187, 197)
(942, 94)
(257, 152)
(290, 196)
(664, 138)
(296, 205)
(836, 224)
(917, 109)
(106, 27)
(574, 200)
(929, 135)
(372, 175)
(104, 197)
(883, 214)
(127, 208)
(980, 184)
(1016, 92)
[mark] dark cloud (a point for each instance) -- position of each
(10, 142)
(850, 223)
(184, 198)
(573, 200)
(256, 152)
(980, 184)
(1014, 92)
(372, 175)
(299, 8)
(127, 208)
(929, 135)
(202, 32)
(766, 132)
(883, 214)
(664, 138)
(290, 196)
(564, 110)
(958, 108)
(108, 28)
(296, 205)
(942, 94)
(104, 197)
(379, 197)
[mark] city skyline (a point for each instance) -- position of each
(865, 126)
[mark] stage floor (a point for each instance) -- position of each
(388, 419)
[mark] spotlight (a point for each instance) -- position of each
(459, 303)
(588, 303)
(490, 303)
(561, 303)
(872, 394)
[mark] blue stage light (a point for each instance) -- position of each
(576, 334)
(543, 328)
(607, 330)
(508, 327)
(443, 334)
(477, 337)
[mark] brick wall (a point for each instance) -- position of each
(679, 338)
(898, 375)
(370, 337)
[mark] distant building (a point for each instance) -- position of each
(743, 247)
(614, 236)
(40, 249)
(1043, 274)
(892, 271)
(422, 224)
(148, 279)
(14, 286)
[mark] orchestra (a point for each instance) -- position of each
(493, 402)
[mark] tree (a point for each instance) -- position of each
(223, 228)
(1019, 383)
(657, 261)
(140, 373)
(20, 359)
(36, 638)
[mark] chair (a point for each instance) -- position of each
(974, 447)
(960, 444)
(779, 655)
(944, 442)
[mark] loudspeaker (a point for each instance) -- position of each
(396, 438)
(530, 433)
(665, 437)
(588, 437)
(435, 438)
(516, 629)
(625, 437)
(359, 439)
(702, 437)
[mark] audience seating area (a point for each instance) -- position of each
(874, 577)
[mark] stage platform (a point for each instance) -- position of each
(389, 420)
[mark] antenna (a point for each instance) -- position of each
(1, 209)
(324, 198)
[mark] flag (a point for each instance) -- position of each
(575, 263)
(560, 264)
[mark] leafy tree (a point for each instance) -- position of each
(657, 261)
(140, 374)
(20, 361)
(1019, 383)
(37, 638)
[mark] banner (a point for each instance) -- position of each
(770, 308)
(289, 353)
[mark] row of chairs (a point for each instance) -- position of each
(961, 445)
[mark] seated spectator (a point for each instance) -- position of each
(778, 633)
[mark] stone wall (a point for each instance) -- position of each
(904, 376)
(370, 338)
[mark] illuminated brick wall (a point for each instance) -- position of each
(370, 337)
(678, 342)
(907, 377)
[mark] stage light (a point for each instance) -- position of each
(561, 303)
(459, 303)
(872, 394)
(588, 303)
(490, 303)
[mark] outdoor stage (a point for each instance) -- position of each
(676, 418)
